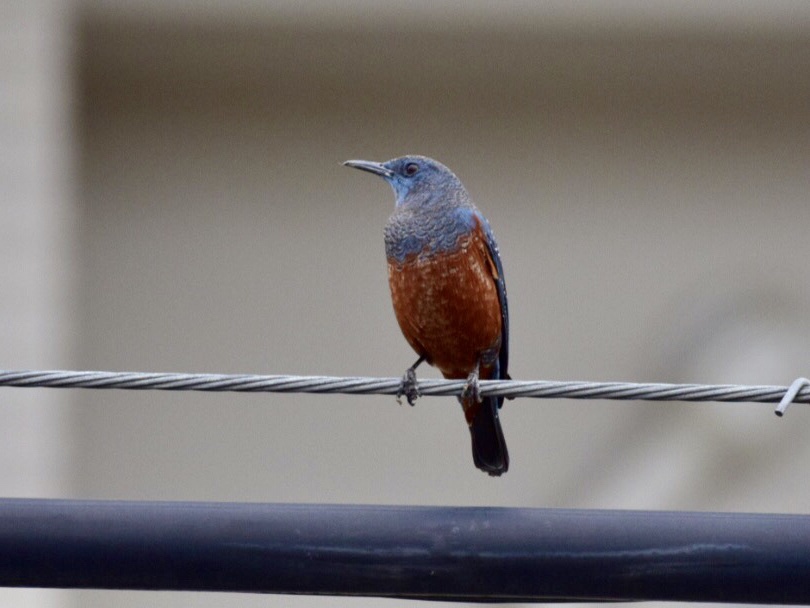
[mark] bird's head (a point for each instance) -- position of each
(411, 175)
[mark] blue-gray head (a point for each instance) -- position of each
(415, 178)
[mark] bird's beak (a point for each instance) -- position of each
(371, 167)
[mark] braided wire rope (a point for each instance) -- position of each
(798, 392)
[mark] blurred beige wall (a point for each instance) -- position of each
(645, 171)
(37, 255)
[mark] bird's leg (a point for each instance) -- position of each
(472, 390)
(408, 386)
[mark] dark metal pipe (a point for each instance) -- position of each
(463, 554)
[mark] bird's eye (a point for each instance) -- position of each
(411, 169)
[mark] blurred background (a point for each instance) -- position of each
(173, 200)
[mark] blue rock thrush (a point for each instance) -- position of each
(448, 291)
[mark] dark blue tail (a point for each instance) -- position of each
(488, 444)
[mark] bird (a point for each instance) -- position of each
(448, 290)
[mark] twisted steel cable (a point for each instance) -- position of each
(798, 392)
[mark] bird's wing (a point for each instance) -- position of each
(495, 259)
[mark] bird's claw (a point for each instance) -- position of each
(472, 389)
(408, 387)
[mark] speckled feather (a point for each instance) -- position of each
(447, 304)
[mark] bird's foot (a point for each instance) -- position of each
(472, 389)
(408, 387)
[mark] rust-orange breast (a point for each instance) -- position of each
(447, 305)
